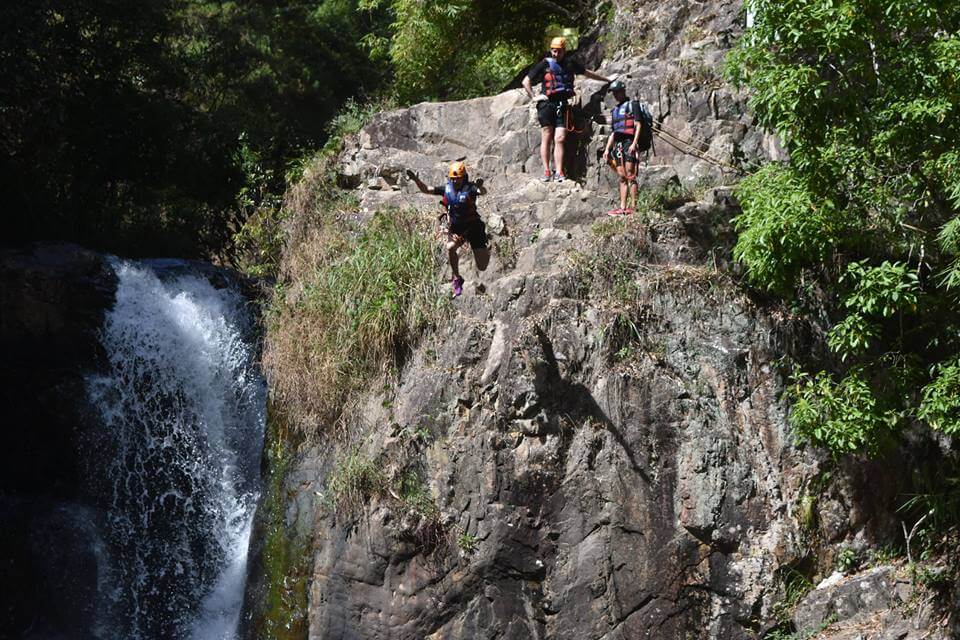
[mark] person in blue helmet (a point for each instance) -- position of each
(630, 120)
(463, 220)
(557, 74)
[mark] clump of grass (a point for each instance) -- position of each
(357, 479)
(608, 268)
(468, 543)
(795, 586)
(351, 299)
(415, 496)
(693, 73)
(354, 481)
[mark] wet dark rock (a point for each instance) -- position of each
(52, 302)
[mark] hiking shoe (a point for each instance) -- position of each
(547, 177)
(457, 286)
(628, 211)
(616, 212)
(559, 177)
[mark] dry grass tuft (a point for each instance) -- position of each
(351, 299)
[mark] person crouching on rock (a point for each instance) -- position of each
(628, 120)
(557, 74)
(463, 221)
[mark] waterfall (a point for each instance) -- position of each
(173, 463)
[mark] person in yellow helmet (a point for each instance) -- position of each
(463, 220)
(557, 73)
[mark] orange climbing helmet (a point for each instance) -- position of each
(457, 170)
(558, 43)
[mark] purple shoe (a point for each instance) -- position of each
(457, 286)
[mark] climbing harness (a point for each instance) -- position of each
(570, 121)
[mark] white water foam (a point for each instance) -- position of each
(182, 410)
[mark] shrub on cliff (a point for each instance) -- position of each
(864, 97)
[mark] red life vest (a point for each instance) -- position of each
(624, 120)
(557, 80)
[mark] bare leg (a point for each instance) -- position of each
(631, 173)
(622, 175)
(452, 257)
(559, 138)
(546, 138)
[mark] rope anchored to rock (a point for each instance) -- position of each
(689, 147)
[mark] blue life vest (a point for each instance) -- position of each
(557, 80)
(624, 119)
(461, 205)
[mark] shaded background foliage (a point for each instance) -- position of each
(455, 49)
(128, 126)
(160, 127)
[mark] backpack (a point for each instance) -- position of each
(645, 141)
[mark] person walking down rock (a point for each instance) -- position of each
(463, 220)
(557, 74)
(632, 133)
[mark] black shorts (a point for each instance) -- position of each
(473, 230)
(552, 113)
(621, 151)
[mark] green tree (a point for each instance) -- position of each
(864, 95)
(448, 50)
(128, 126)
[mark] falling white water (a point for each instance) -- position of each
(176, 456)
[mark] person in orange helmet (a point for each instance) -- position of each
(463, 220)
(557, 73)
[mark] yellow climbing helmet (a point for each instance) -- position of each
(558, 43)
(457, 170)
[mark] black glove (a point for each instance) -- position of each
(479, 182)
(411, 174)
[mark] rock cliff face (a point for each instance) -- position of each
(599, 430)
(52, 302)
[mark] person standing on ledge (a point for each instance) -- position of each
(631, 132)
(553, 110)
(463, 220)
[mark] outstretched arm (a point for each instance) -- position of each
(423, 188)
(596, 76)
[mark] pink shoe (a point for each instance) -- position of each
(627, 211)
(615, 212)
